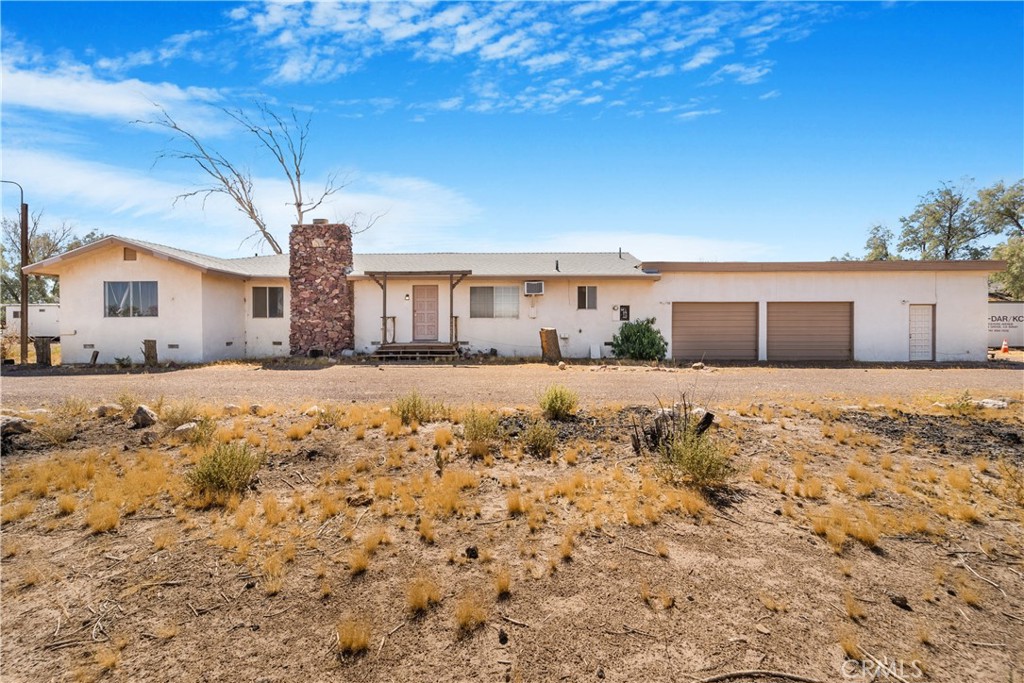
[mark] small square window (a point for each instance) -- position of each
(586, 298)
(268, 302)
(130, 254)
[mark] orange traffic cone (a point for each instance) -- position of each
(1006, 347)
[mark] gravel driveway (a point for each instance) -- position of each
(511, 384)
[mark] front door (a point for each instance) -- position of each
(922, 326)
(424, 313)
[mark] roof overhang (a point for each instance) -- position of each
(53, 265)
(412, 274)
(374, 274)
(824, 266)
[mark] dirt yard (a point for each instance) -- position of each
(864, 530)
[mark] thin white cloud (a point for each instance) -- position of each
(703, 57)
(74, 90)
(125, 201)
(697, 113)
(744, 74)
(770, 95)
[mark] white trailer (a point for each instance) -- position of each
(1006, 321)
(43, 319)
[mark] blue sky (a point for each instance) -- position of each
(683, 131)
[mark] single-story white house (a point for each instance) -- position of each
(322, 299)
(43, 319)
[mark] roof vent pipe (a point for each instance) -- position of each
(556, 264)
(620, 252)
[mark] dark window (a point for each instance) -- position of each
(268, 302)
(586, 298)
(130, 299)
(16, 314)
(494, 302)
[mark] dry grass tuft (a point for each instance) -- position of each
(426, 529)
(66, 504)
(470, 613)
(853, 608)
(851, 647)
(503, 582)
(358, 561)
(421, 594)
(102, 516)
(353, 636)
(443, 437)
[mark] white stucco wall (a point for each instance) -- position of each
(577, 329)
(179, 297)
(43, 319)
(262, 333)
(881, 315)
(223, 319)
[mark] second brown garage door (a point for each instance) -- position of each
(799, 331)
(714, 331)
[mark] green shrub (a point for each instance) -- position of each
(639, 340)
(416, 407)
(480, 425)
(698, 460)
(558, 402)
(539, 439)
(227, 469)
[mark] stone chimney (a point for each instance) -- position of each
(322, 301)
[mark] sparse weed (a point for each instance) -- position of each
(414, 407)
(539, 439)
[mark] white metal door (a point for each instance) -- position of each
(922, 325)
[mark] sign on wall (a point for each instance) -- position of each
(1006, 321)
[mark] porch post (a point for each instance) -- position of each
(384, 312)
(451, 309)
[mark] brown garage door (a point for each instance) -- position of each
(821, 330)
(714, 331)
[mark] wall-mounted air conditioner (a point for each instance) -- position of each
(533, 288)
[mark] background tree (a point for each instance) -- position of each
(1011, 280)
(947, 224)
(877, 246)
(1002, 208)
(42, 244)
(286, 138)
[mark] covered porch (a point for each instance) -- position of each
(415, 332)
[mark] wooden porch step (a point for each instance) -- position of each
(414, 352)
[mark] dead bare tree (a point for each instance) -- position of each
(286, 138)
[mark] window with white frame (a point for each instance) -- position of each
(586, 298)
(130, 299)
(268, 302)
(494, 302)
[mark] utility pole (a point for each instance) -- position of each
(21, 271)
